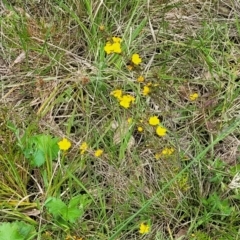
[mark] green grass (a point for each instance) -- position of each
(62, 87)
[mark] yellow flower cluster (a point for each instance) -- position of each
(160, 130)
(124, 100)
(135, 61)
(168, 151)
(84, 147)
(165, 152)
(65, 144)
(147, 88)
(153, 121)
(113, 46)
(140, 128)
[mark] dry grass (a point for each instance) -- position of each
(56, 79)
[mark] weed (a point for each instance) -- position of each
(119, 120)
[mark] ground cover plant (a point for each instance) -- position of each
(119, 119)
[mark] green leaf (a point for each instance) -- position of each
(16, 231)
(56, 206)
(47, 144)
(40, 148)
(73, 214)
(75, 201)
(69, 213)
(38, 158)
(76, 207)
(9, 231)
(26, 230)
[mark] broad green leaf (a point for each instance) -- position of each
(73, 214)
(9, 231)
(75, 201)
(56, 206)
(76, 207)
(47, 144)
(26, 230)
(38, 158)
(70, 212)
(40, 148)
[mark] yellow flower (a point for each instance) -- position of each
(146, 90)
(98, 153)
(136, 59)
(193, 96)
(161, 131)
(130, 98)
(83, 148)
(126, 100)
(117, 93)
(108, 48)
(124, 103)
(114, 46)
(140, 78)
(154, 121)
(64, 144)
(144, 228)
(140, 129)
(116, 39)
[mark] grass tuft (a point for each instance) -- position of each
(94, 73)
